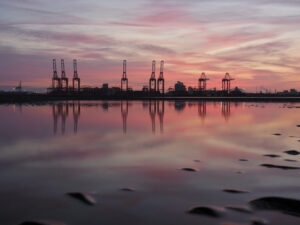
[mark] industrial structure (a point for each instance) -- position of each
(76, 79)
(156, 85)
(152, 81)
(161, 80)
(226, 82)
(63, 79)
(55, 78)
(202, 83)
(124, 80)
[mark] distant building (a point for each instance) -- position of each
(293, 91)
(170, 89)
(115, 90)
(237, 90)
(105, 86)
(180, 87)
(285, 91)
(145, 88)
(192, 90)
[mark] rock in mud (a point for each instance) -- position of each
(128, 189)
(211, 211)
(243, 209)
(42, 223)
(257, 221)
(84, 198)
(298, 125)
(292, 152)
(285, 205)
(272, 155)
(243, 160)
(277, 134)
(197, 161)
(189, 169)
(235, 191)
(280, 167)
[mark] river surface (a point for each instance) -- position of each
(97, 147)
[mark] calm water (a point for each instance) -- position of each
(100, 147)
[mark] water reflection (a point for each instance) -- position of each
(156, 109)
(202, 110)
(124, 112)
(161, 112)
(179, 105)
(76, 114)
(61, 110)
(226, 110)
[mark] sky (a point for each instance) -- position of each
(256, 41)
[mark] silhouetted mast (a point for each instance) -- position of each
(55, 78)
(64, 79)
(152, 81)
(76, 79)
(161, 80)
(124, 80)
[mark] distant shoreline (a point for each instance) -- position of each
(42, 98)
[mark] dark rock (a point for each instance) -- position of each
(272, 155)
(292, 152)
(243, 160)
(197, 161)
(290, 160)
(277, 134)
(211, 211)
(42, 223)
(243, 209)
(128, 189)
(235, 191)
(285, 205)
(257, 221)
(85, 198)
(298, 125)
(189, 169)
(281, 167)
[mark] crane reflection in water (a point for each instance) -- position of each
(156, 108)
